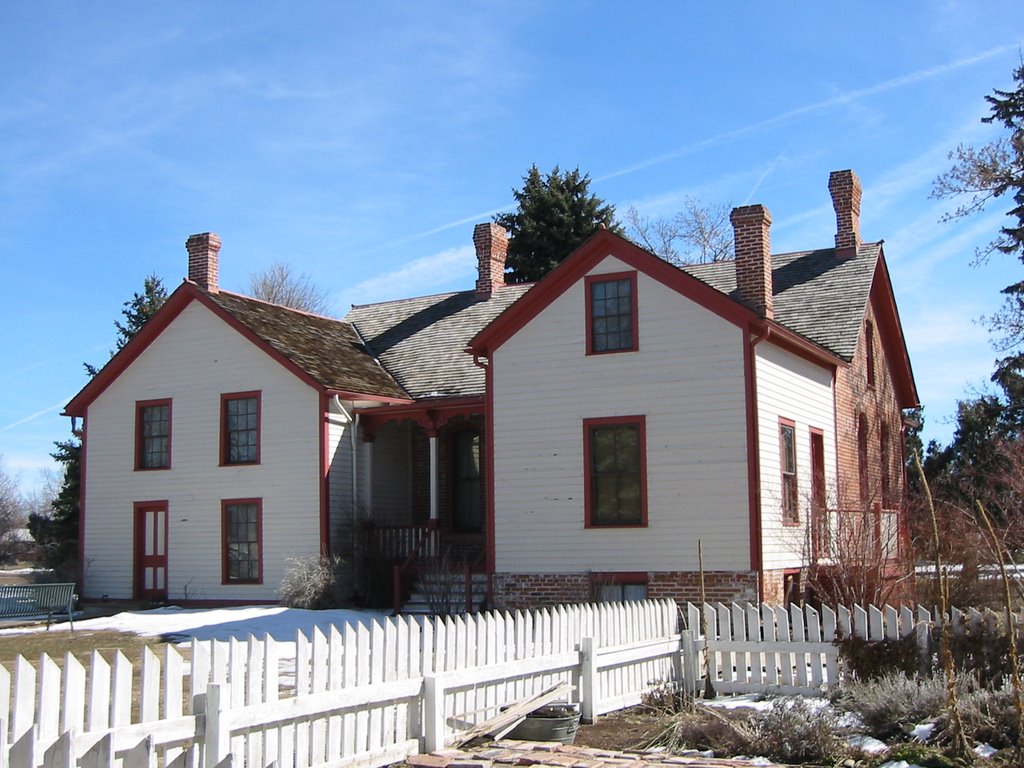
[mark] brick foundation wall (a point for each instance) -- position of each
(719, 586)
(513, 591)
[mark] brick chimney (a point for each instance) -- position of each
(202, 260)
(844, 186)
(491, 242)
(750, 226)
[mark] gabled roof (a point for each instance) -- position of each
(325, 353)
(422, 341)
(818, 296)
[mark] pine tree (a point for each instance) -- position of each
(555, 214)
(57, 532)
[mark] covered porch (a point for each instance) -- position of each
(424, 497)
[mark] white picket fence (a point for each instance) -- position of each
(360, 695)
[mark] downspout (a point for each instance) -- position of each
(754, 457)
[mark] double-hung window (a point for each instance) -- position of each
(611, 313)
(153, 434)
(787, 461)
(242, 532)
(615, 469)
(240, 428)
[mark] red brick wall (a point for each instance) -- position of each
(854, 396)
(512, 591)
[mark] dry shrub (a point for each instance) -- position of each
(790, 730)
(870, 659)
(316, 583)
(795, 731)
(989, 716)
(892, 704)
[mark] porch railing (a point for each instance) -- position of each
(397, 542)
(403, 574)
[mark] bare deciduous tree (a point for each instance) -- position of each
(12, 513)
(698, 233)
(278, 284)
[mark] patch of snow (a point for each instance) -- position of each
(923, 731)
(23, 571)
(851, 721)
(184, 624)
(985, 750)
(868, 744)
(899, 764)
(749, 700)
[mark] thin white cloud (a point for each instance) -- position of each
(839, 99)
(33, 416)
(415, 278)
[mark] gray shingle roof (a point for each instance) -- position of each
(820, 297)
(329, 350)
(422, 341)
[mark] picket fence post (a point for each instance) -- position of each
(217, 735)
(588, 680)
(433, 713)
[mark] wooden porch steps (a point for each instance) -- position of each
(446, 594)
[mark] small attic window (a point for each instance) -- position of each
(869, 351)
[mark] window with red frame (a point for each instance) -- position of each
(611, 313)
(883, 446)
(862, 459)
(240, 428)
(869, 352)
(242, 529)
(153, 434)
(615, 466)
(787, 461)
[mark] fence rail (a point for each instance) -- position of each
(362, 696)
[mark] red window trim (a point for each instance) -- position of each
(634, 302)
(139, 405)
(641, 423)
(869, 350)
(863, 460)
(224, 398)
(786, 520)
(224, 504)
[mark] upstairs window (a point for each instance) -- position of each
(240, 428)
(862, 460)
(153, 434)
(869, 352)
(611, 313)
(615, 468)
(787, 461)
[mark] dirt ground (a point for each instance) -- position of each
(626, 729)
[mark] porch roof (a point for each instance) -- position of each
(421, 341)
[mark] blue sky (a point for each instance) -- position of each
(360, 142)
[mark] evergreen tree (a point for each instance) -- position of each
(136, 311)
(555, 214)
(57, 531)
(985, 460)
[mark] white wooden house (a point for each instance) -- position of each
(569, 440)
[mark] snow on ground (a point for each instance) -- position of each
(184, 624)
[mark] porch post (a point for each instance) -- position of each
(368, 477)
(433, 477)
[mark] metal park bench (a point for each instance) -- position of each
(25, 600)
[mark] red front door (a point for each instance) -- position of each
(151, 550)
